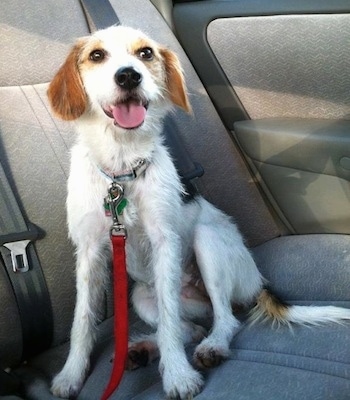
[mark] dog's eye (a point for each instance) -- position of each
(97, 55)
(146, 53)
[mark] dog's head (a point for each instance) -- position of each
(118, 74)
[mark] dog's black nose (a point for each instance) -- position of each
(127, 78)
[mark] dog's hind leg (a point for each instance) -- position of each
(144, 349)
(91, 277)
(215, 348)
(229, 273)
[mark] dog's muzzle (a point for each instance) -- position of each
(129, 112)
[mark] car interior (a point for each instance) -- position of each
(268, 142)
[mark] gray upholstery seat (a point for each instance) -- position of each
(270, 363)
(299, 363)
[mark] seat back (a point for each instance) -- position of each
(34, 147)
(34, 150)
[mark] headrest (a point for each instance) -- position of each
(36, 37)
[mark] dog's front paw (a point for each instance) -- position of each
(181, 382)
(67, 384)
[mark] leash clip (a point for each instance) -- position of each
(118, 230)
(114, 198)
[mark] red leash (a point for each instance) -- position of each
(120, 288)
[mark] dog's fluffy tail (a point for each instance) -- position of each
(268, 307)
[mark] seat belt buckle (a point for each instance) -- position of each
(19, 255)
(17, 244)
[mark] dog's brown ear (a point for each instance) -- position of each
(66, 91)
(175, 80)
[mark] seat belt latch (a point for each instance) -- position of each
(18, 255)
(17, 243)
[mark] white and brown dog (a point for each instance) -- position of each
(117, 85)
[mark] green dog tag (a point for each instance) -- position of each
(121, 206)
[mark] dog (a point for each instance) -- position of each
(188, 259)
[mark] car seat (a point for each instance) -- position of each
(283, 363)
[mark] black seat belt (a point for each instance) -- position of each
(10, 385)
(22, 265)
(100, 14)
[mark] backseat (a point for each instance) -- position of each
(302, 363)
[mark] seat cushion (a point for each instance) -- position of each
(266, 363)
(302, 363)
(307, 269)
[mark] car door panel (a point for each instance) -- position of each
(286, 65)
(282, 69)
(304, 167)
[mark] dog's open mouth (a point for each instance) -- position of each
(129, 113)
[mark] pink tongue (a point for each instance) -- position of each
(129, 115)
